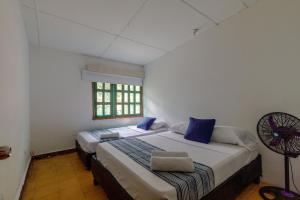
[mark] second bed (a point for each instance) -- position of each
(87, 141)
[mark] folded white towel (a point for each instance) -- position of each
(169, 153)
(171, 164)
(110, 135)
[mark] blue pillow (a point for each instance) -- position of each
(200, 130)
(146, 123)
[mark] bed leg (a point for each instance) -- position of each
(87, 167)
(95, 182)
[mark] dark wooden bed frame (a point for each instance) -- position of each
(85, 157)
(228, 190)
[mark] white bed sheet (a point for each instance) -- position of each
(89, 143)
(140, 183)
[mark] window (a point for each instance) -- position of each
(116, 100)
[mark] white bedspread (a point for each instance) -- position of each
(140, 183)
(89, 143)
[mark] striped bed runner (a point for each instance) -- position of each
(189, 186)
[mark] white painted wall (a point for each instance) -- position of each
(235, 72)
(61, 103)
(14, 98)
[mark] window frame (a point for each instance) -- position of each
(94, 91)
(114, 102)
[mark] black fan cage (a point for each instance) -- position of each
(285, 143)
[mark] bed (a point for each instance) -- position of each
(87, 141)
(122, 177)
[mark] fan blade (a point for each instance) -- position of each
(275, 142)
(294, 133)
(272, 123)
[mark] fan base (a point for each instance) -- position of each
(276, 193)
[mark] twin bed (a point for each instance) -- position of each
(122, 167)
(87, 141)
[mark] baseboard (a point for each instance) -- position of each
(51, 154)
(23, 180)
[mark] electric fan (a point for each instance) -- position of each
(280, 132)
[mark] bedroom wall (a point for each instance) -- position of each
(61, 103)
(236, 72)
(14, 98)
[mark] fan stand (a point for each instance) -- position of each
(277, 193)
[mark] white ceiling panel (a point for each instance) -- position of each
(132, 52)
(29, 3)
(68, 36)
(249, 2)
(218, 10)
(30, 24)
(108, 15)
(148, 28)
(165, 24)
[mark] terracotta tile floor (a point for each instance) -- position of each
(64, 178)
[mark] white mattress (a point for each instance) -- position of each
(140, 183)
(89, 143)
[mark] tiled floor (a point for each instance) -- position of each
(61, 178)
(64, 178)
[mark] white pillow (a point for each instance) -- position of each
(180, 127)
(234, 135)
(158, 125)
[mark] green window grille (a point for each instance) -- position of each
(117, 100)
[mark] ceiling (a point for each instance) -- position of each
(134, 31)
